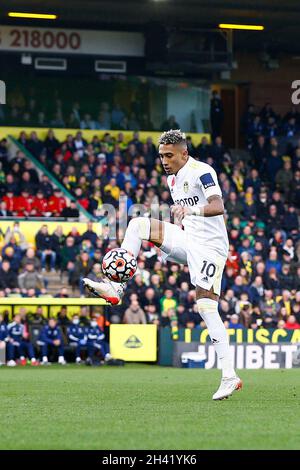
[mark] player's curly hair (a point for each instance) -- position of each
(173, 136)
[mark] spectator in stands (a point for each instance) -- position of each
(168, 300)
(56, 203)
(30, 257)
(90, 234)
(45, 247)
(96, 273)
(203, 150)
(255, 128)
(77, 337)
(40, 205)
(187, 318)
(291, 221)
(285, 302)
(271, 128)
(18, 343)
(46, 187)
(70, 211)
(10, 199)
(134, 314)
(12, 253)
(51, 143)
(31, 279)
(8, 278)
(68, 255)
(51, 340)
(218, 152)
(292, 323)
(273, 165)
(290, 128)
(234, 322)
(169, 318)
(34, 145)
(3, 210)
(273, 220)
(256, 291)
(234, 208)
(273, 262)
(253, 181)
(82, 267)
(150, 302)
(284, 178)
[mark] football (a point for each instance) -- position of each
(119, 265)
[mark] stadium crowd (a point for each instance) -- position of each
(261, 283)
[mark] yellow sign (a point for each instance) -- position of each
(133, 342)
(30, 229)
(88, 134)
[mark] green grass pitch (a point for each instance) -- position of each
(146, 407)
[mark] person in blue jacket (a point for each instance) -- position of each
(3, 339)
(77, 336)
(51, 338)
(96, 341)
(18, 343)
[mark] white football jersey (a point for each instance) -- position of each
(194, 183)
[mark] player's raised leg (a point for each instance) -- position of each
(139, 229)
(207, 302)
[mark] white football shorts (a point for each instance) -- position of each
(206, 266)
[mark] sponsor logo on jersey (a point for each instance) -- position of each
(133, 342)
(186, 187)
(188, 201)
(205, 279)
(207, 180)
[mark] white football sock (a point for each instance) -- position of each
(138, 230)
(208, 309)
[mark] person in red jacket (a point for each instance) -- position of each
(56, 203)
(291, 323)
(82, 198)
(24, 204)
(233, 260)
(40, 204)
(10, 201)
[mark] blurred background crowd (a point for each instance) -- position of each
(261, 190)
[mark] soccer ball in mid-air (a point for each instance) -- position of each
(119, 265)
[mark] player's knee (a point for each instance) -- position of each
(206, 294)
(207, 306)
(140, 225)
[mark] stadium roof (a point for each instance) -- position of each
(281, 19)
